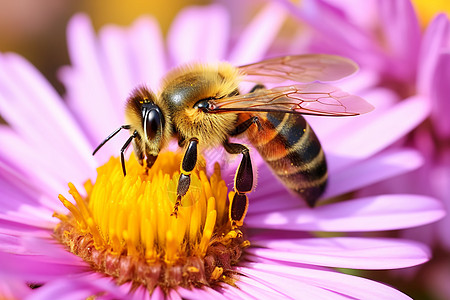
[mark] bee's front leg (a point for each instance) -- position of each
(187, 165)
(243, 183)
(140, 154)
(122, 151)
(138, 149)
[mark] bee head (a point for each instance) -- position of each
(148, 118)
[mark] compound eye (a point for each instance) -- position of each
(152, 123)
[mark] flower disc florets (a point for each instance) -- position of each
(123, 226)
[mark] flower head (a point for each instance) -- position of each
(124, 228)
(120, 228)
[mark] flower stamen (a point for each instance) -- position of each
(123, 227)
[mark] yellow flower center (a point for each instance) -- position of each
(123, 226)
(427, 10)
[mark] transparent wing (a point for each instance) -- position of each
(312, 99)
(300, 68)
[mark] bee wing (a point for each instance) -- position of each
(300, 68)
(312, 99)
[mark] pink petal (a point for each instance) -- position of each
(31, 269)
(20, 199)
(344, 252)
(12, 288)
(34, 202)
(12, 187)
(43, 251)
(350, 286)
(440, 91)
(120, 61)
(173, 295)
(133, 56)
(158, 294)
(398, 19)
(249, 289)
(375, 169)
(33, 98)
(270, 194)
(435, 40)
(86, 81)
(370, 133)
(118, 68)
(64, 289)
(257, 37)
(385, 212)
(15, 162)
(285, 286)
(48, 250)
(200, 293)
(10, 243)
(440, 177)
(78, 288)
(140, 293)
(17, 229)
(199, 34)
(336, 32)
(147, 51)
(235, 293)
(25, 217)
(37, 113)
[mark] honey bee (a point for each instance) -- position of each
(200, 105)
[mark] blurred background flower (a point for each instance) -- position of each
(38, 30)
(401, 59)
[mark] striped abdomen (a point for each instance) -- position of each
(290, 147)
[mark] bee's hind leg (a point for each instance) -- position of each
(243, 183)
(187, 165)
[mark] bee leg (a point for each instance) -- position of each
(110, 137)
(246, 125)
(243, 183)
(124, 147)
(253, 120)
(137, 145)
(187, 165)
(141, 155)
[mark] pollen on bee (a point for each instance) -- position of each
(123, 227)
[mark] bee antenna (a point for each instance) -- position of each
(124, 147)
(110, 137)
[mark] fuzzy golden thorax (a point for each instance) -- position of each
(186, 86)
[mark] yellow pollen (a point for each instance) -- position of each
(130, 218)
(218, 271)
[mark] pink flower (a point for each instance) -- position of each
(384, 37)
(386, 40)
(367, 32)
(49, 143)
